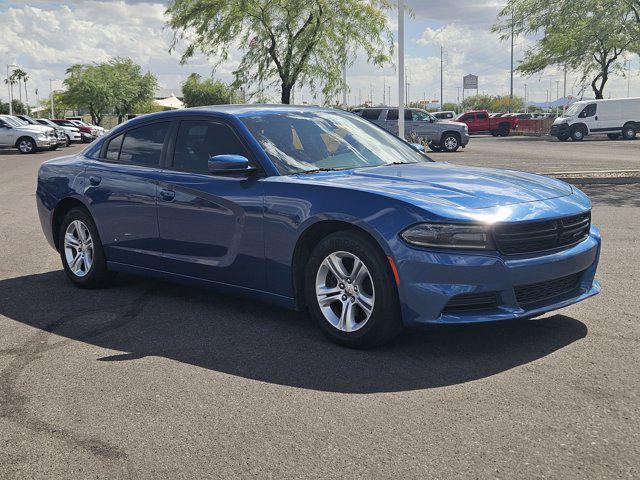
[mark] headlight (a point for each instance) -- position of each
(444, 235)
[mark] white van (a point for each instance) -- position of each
(615, 117)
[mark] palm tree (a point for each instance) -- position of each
(11, 82)
(25, 77)
(17, 75)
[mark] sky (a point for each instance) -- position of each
(46, 37)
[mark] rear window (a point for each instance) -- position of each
(113, 148)
(371, 114)
(143, 145)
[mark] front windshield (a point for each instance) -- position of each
(572, 110)
(13, 121)
(310, 141)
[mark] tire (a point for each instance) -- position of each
(628, 132)
(494, 133)
(563, 138)
(68, 142)
(613, 136)
(577, 134)
(449, 142)
(91, 271)
(53, 147)
(375, 287)
(26, 145)
(434, 147)
(503, 132)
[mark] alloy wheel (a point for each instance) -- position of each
(25, 146)
(450, 143)
(78, 248)
(344, 291)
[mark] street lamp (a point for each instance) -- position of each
(9, 86)
(51, 94)
(401, 68)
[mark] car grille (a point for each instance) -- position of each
(472, 301)
(544, 292)
(539, 236)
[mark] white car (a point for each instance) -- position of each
(613, 117)
(14, 133)
(72, 133)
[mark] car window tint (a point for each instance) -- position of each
(392, 114)
(482, 116)
(371, 114)
(590, 110)
(143, 145)
(419, 116)
(113, 148)
(198, 140)
(468, 116)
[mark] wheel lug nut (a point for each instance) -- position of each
(342, 285)
(344, 297)
(348, 280)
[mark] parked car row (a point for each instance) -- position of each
(30, 135)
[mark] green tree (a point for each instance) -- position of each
(498, 104)
(585, 36)
(448, 106)
(285, 42)
(130, 89)
(19, 108)
(89, 87)
(198, 92)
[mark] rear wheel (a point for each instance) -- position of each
(503, 131)
(450, 142)
(67, 141)
(577, 134)
(628, 132)
(434, 147)
(350, 291)
(494, 133)
(81, 250)
(613, 136)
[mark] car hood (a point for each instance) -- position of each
(453, 122)
(36, 128)
(453, 186)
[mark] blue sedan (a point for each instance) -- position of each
(318, 209)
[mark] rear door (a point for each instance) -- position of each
(211, 226)
(482, 121)
(391, 121)
(374, 115)
(121, 188)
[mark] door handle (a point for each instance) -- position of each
(167, 195)
(596, 117)
(95, 180)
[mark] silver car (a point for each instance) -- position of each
(421, 127)
(26, 138)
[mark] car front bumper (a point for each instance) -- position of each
(464, 138)
(430, 281)
(47, 143)
(559, 129)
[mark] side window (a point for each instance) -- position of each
(419, 116)
(197, 140)
(589, 110)
(482, 116)
(113, 148)
(408, 116)
(143, 145)
(371, 114)
(468, 117)
(392, 114)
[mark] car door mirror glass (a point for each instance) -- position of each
(220, 164)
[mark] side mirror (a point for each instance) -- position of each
(418, 147)
(221, 164)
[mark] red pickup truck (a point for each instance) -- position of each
(480, 121)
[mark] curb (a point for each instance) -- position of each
(599, 181)
(598, 177)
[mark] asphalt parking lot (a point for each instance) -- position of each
(146, 379)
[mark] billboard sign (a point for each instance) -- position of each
(470, 82)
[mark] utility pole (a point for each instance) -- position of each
(371, 94)
(458, 102)
(384, 91)
(628, 62)
(511, 81)
(557, 95)
(564, 90)
(526, 107)
(344, 85)
(441, 79)
(51, 95)
(401, 68)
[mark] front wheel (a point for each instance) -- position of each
(563, 138)
(67, 140)
(577, 134)
(351, 292)
(27, 145)
(450, 142)
(81, 250)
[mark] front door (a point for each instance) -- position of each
(121, 187)
(589, 116)
(211, 226)
(7, 134)
(421, 123)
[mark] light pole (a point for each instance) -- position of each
(511, 78)
(344, 85)
(526, 107)
(10, 87)
(628, 63)
(557, 95)
(401, 68)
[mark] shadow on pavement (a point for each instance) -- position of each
(613, 195)
(139, 318)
